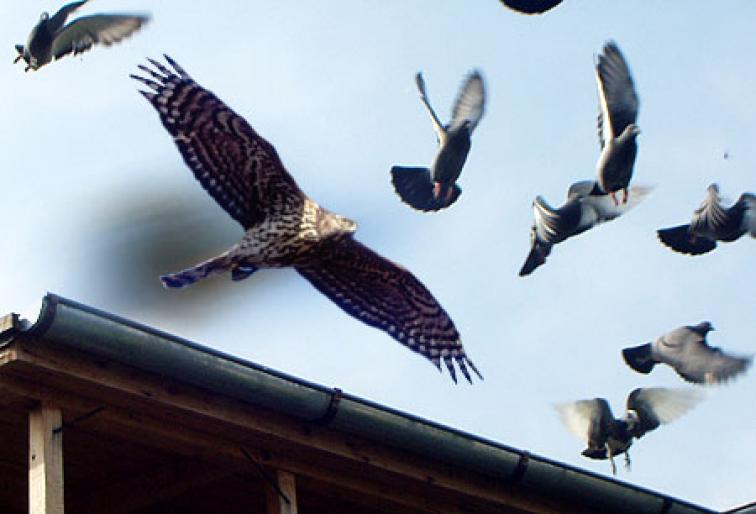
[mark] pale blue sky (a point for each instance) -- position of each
(98, 202)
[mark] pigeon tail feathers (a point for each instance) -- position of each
(639, 358)
(681, 240)
(415, 187)
(536, 258)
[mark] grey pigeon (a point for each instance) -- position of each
(587, 205)
(686, 350)
(712, 222)
(606, 436)
(435, 188)
(531, 6)
(618, 112)
(51, 38)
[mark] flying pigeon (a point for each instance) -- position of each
(531, 6)
(712, 222)
(435, 188)
(51, 38)
(617, 131)
(587, 205)
(686, 350)
(606, 436)
(283, 227)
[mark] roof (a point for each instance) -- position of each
(509, 473)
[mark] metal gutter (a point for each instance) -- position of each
(70, 324)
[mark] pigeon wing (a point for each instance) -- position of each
(700, 363)
(589, 420)
(57, 21)
(618, 100)
(386, 296)
(240, 169)
(470, 102)
(106, 29)
(658, 405)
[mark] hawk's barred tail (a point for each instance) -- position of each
(191, 275)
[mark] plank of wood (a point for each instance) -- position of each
(283, 500)
(45, 460)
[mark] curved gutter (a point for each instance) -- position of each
(68, 323)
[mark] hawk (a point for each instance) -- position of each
(435, 188)
(712, 222)
(686, 350)
(586, 206)
(618, 112)
(51, 38)
(283, 227)
(606, 436)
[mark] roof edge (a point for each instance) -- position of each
(68, 323)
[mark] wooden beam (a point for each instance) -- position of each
(283, 500)
(45, 460)
(210, 417)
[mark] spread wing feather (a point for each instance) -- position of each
(386, 296)
(470, 102)
(618, 101)
(79, 36)
(240, 169)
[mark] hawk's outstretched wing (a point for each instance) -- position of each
(386, 296)
(240, 169)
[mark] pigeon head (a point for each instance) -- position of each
(703, 328)
(44, 17)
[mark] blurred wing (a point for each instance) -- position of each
(700, 363)
(386, 296)
(59, 18)
(438, 127)
(240, 169)
(659, 405)
(470, 102)
(747, 201)
(106, 29)
(586, 419)
(618, 101)
(710, 217)
(531, 6)
(607, 211)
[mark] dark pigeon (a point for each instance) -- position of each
(587, 205)
(435, 188)
(617, 129)
(712, 222)
(531, 6)
(51, 38)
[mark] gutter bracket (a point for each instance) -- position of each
(332, 409)
(520, 469)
